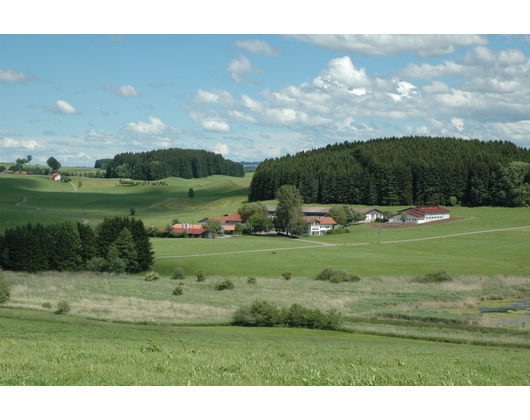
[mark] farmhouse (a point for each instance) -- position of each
(6, 172)
(227, 220)
(421, 214)
(319, 226)
(56, 176)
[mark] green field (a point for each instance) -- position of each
(43, 349)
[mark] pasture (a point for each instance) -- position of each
(43, 349)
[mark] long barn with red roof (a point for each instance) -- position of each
(422, 214)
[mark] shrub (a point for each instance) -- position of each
(152, 276)
(178, 274)
(178, 291)
(335, 278)
(117, 265)
(96, 264)
(63, 307)
(251, 280)
(325, 274)
(434, 277)
(224, 285)
(47, 305)
(352, 278)
(201, 275)
(5, 290)
(259, 314)
(286, 275)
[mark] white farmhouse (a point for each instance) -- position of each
(56, 176)
(421, 214)
(318, 226)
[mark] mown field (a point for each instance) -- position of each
(43, 349)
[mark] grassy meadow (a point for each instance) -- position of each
(43, 349)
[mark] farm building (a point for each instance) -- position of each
(320, 212)
(318, 226)
(421, 214)
(56, 176)
(227, 220)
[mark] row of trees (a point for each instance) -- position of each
(402, 171)
(184, 163)
(69, 246)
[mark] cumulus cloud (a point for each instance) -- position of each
(123, 90)
(257, 46)
(457, 123)
(62, 107)
(221, 149)
(9, 143)
(15, 77)
(238, 67)
(155, 127)
(388, 45)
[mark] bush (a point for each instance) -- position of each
(178, 274)
(264, 314)
(325, 274)
(178, 291)
(434, 277)
(5, 290)
(117, 265)
(351, 278)
(286, 275)
(47, 305)
(335, 278)
(63, 307)
(201, 275)
(224, 285)
(252, 280)
(152, 276)
(97, 264)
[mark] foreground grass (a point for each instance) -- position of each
(44, 349)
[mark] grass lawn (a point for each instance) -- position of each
(46, 349)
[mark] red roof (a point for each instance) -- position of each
(54, 175)
(431, 209)
(322, 220)
(229, 228)
(413, 213)
(233, 217)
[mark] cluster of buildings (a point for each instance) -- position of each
(8, 172)
(318, 222)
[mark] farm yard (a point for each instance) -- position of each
(384, 310)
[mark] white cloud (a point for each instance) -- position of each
(209, 120)
(9, 133)
(62, 107)
(388, 45)
(155, 126)
(15, 77)
(9, 143)
(429, 71)
(221, 149)
(238, 67)
(436, 87)
(256, 46)
(343, 71)
(206, 97)
(123, 90)
(457, 123)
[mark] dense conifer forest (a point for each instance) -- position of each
(183, 163)
(402, 171)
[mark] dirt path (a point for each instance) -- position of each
(24, 199)
(321, 244)
(72, 184)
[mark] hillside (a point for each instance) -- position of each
(402, 171)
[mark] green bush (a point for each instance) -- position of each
(5, 290)
(47, 305)
(352, 278)
(335, 278)
(224, 285)
(325, 274)
(286, 275)
(264, 314)
(434, 277)
(252, 280)
(63, 307)
(117, 265)
(152, 276)
(178, 274)
(201, 275)
(97, 264)
(178, 291)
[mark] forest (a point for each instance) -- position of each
(402, 171)
(163, 163)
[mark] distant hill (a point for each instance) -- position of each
(402, 171)
(163, 163)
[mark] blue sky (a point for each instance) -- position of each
(250, 97)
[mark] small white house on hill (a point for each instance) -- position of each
(55, 177)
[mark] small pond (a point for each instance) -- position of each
(508, 312)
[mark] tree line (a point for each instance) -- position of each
(402, 171)
(118, 244)
(163, 163)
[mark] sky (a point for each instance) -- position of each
(249, 96)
